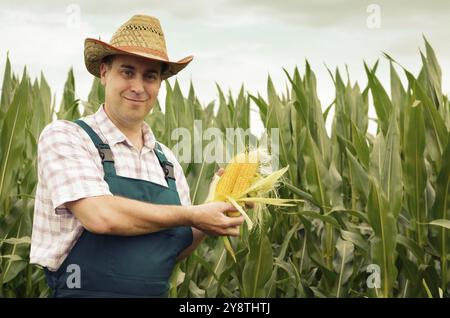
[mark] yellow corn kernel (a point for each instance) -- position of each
(247, 172)
(226, 182)
(237, 177)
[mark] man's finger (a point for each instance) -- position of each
(220, 172)
(236, 221)
(233, 231)
(228, 207)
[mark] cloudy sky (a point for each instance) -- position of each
(234, 42)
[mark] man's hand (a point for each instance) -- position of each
(219, 224)
(211, 219)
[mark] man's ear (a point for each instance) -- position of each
(103, 70)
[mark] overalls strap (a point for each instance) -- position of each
(103, 149)
(167, 166)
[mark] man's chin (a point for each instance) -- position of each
(137, 111)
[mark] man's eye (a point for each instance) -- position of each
(127, 73)
(151, 76)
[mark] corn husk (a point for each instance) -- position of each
(259, 191)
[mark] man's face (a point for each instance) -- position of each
(131, 87)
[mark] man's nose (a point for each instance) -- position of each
(137, 85)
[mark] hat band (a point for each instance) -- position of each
(134, 49)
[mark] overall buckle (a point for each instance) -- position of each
(168, 170)
(105, 152)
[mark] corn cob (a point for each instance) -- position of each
(248, 178)
(237, 177)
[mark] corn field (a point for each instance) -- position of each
(375, 215)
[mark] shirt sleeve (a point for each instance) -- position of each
(68, 165)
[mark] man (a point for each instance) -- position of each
(112, 212)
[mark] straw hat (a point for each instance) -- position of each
(142, 36)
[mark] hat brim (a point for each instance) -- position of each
(95, 50)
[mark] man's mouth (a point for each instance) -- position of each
(135, 100)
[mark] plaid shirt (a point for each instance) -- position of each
(69, 168)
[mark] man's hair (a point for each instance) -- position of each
(109, 59)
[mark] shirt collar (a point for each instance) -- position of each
(113, 134)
